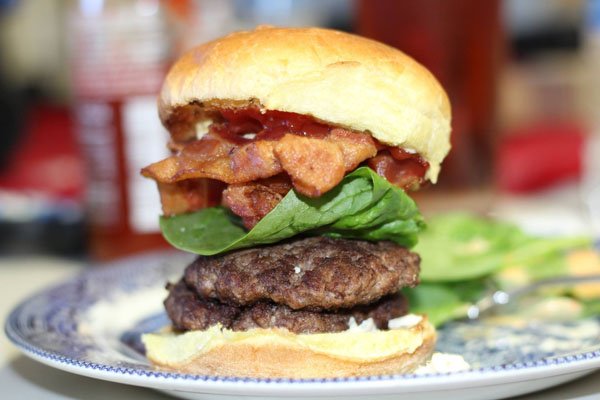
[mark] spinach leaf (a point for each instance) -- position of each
(363, 206)
(439, 302)
(457, 247)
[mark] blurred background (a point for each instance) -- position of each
(78, 82)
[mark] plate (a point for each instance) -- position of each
(90, 325)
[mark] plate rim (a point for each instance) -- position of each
(408, 383)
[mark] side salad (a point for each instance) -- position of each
(465, 257)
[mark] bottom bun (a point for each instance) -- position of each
(278, 353)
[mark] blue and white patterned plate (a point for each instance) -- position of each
(91, 324)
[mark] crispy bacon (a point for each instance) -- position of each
(252, 201)
(355, 147)
(205, 158)
(255, 160)
(259, 156)
(189, 195)
(406, 173)
(315, 165)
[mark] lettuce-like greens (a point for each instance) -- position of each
(464, 257)
(439, 302)
(457, 247)
(363, 206)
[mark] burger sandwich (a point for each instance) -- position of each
(292, 153)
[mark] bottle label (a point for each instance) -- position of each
(144, 142)
(98, 137)
(120, 52)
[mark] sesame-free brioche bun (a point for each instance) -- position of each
(278, 353)
(339, 78)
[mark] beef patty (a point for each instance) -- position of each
(316, 273)
(188, 311)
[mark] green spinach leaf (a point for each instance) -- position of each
(363, 206)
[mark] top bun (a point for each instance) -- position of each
(336, 77)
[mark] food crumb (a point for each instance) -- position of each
(406, 321)
(368, 325)
(444, 363)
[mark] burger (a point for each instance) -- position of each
(292, 153)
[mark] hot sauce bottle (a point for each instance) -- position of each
(120, 52)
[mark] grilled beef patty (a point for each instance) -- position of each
(316, 273)
(189, 311)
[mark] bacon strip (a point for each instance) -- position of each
(253, 173)
(205, 158)
(406, 173)
(315, 165)
(355, 147)
(189, 195)
(252, 201)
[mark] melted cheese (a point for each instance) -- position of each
(170, 348)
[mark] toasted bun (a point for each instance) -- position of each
(342, 79)
(274, 353)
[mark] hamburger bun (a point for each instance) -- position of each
(335, 77)
(278, 353)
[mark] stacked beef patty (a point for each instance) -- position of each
(307, 285)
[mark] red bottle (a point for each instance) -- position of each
(120, 52)
(461, 43)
